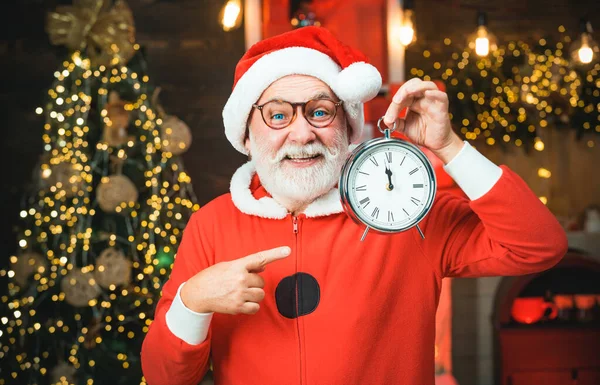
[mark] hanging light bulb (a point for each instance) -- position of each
(482, 41)
(231, 15)
(406, 32)
(585, 48)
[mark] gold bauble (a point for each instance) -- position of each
(26, 264)
(65, 176)
(112, 268)
(114, 190)
(175, 135)
(79, 287)
(63, 373)
(115, 135)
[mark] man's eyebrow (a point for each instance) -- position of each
(321, 95)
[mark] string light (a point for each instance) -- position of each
(522, 89)
(544, 173)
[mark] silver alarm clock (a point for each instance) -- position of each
(387, 184)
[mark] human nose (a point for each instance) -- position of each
(300, 130)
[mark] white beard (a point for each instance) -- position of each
(297, 187)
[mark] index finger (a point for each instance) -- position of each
(261, 259)
(405, 96)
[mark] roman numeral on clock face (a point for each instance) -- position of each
(415, 200)
(418, 185)
(390, 216)
(388, 157)
(365, 201)
(413, 171)
(361, 188)
(372, 159)
(375, 213)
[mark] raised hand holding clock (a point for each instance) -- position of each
(427, 121)
(427, 124)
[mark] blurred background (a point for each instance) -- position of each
(113, 136)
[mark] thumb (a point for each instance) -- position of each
(261, 259)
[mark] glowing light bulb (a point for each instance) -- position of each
(231, 15)
(586, 54)
(406, 31)
(482, 46)
(482, 40)
(584, 49)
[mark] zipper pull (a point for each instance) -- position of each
(295, 221)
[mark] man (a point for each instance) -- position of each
(271, 282)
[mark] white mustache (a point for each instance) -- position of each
(306, 151)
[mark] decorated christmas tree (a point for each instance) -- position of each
(107, 208)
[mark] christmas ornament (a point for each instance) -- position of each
(387, 184)
(63, 373)
(65, 176)
(79, 288)
(112, 268)
(26, 264)
(114, 190)
(176, 136)
(104, 31)
(115, 129)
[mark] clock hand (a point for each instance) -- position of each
(390, 186)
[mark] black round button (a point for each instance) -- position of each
(297, 295)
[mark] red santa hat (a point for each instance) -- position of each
(312, 51)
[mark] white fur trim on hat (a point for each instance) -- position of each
(354, 85)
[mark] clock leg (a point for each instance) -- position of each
(420, 232)
(365, 234)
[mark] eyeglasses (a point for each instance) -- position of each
(279, 114)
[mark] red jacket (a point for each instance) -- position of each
(359, 312)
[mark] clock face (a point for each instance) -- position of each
(389, 186)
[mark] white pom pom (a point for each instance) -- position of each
(359, 82)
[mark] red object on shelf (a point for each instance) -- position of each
(532, 310)
(545, 353)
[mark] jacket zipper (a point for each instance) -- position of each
(295, 227)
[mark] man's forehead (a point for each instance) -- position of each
(297, 88)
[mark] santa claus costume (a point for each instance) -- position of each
(337, 311)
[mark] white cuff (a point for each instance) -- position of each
(474, 173)
(186, 324)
